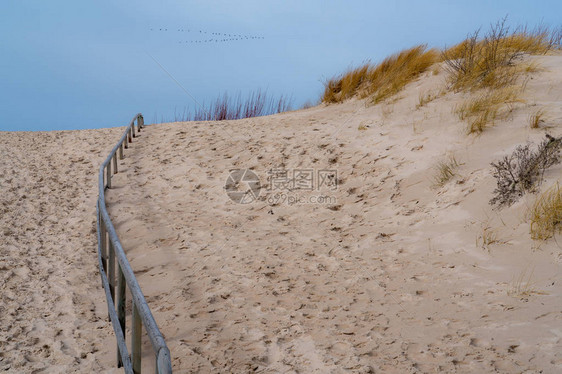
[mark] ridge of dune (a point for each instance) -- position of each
(391, 277)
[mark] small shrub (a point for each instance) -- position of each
(523, 170)
(546, 214)
(536, 118)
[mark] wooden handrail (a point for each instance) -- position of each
(109, 249)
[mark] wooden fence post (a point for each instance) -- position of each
(103, 245)
(111, 271)
(108, 178)
(121, 307)
(115, 169)
(136, 340)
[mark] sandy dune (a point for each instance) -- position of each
(390, 277)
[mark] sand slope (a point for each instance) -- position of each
(391, 278)
(52, 310)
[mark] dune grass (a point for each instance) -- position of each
(486, 106)
(522, 286)
(256, 104)
(226, 107)
(381, 81)
(445, 171)
(477, 63)
(491, 61)
(546, 214)
(425, 97)
(489, 68)
(537, 118)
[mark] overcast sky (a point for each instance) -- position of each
(92, 64)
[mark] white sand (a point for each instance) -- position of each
(391, 278)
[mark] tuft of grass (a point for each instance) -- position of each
(522, 286)
(425, 98)
(531, 67)
(537, 118)
(485, 107)
(381, 81)
(445, 171)
(488, 237)
(345, 86)
(390, 76)
(436, 69)
(546, 214)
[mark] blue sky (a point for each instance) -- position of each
(86, 64)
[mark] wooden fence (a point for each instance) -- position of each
(109, 249)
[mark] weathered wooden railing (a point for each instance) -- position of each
(109, 248)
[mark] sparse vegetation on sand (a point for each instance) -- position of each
(546, 214)
(425, 98)
(488, 67)
(490, 61)
(381, 81)
(523, 170)
(256, 104)
(486, 106)
(537, 118)
(445, 171)
(225, 107)
(488, 236)
(522, 286)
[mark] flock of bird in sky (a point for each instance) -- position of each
(215, 37)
